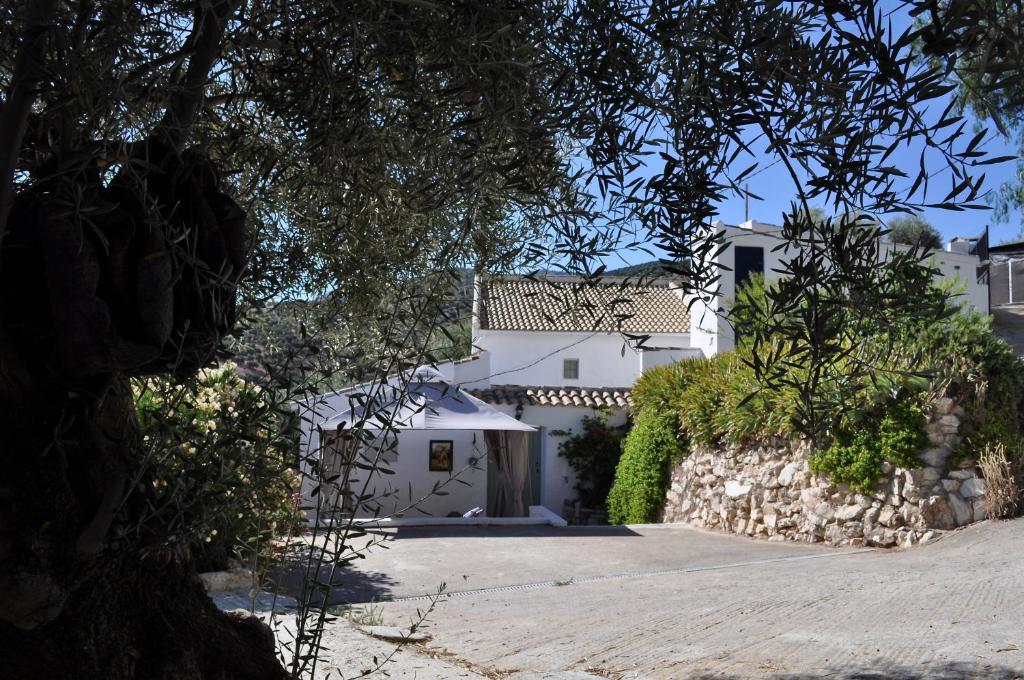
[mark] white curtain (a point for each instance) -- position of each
(509, 453)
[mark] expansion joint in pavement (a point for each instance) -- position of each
(629, 575)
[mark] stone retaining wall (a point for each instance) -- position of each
(768, 490)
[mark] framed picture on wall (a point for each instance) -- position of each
(441, 455)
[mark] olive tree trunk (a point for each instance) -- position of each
(102, 282)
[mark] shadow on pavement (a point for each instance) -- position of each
(950, 671)
(346, 585)
(524, 531)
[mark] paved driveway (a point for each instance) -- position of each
(672, 602)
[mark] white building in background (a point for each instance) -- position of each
(754, 248)
(551, 352)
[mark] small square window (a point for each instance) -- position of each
(571, 369)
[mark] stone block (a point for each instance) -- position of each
(962, 511)
(853, 529)
(936, 456)
(734, 489)
(944, 405)
(980, 512)
(833, 534)
(789, 473)
(871, 517)
(815, 519)
(937, 513)
(884, 538)
(972, 488)
(825, 511)
(810, 498)
(849, 512)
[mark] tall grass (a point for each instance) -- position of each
(1004, 480)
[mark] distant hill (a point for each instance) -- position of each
(646, 269)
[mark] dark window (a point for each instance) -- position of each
(749, 261)
(571, 369)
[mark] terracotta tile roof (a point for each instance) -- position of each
(561, 303)
(591, 397)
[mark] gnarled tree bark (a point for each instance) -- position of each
(102, 283)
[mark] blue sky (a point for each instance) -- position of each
(775, 189)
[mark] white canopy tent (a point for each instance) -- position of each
(428, 402)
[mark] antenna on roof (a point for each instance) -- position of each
(746, 202)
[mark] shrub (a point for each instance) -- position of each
(983, 375)
(716, 400)
(660, 387)
(642, 475)
(856, 455)
(594, 454)
(223, 486)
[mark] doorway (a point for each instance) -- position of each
(499, 484)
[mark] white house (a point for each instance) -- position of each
(552, 351)
(549, 353)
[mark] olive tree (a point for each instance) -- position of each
(914, 230)
(165, 165)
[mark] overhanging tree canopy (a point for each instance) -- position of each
(159, 158)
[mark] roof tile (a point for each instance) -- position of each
(565, 304)
(591, 397)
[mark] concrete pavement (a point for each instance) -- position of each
(672, 602)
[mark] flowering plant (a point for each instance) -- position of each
(221, 462)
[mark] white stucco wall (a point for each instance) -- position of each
(659, 357)
(409, 463)
(709, 331)
(409, 466)
(521, 358)
(962, 268)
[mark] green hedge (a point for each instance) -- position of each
(983, 375)
(641, 477)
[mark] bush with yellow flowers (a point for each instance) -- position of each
(221, 462)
